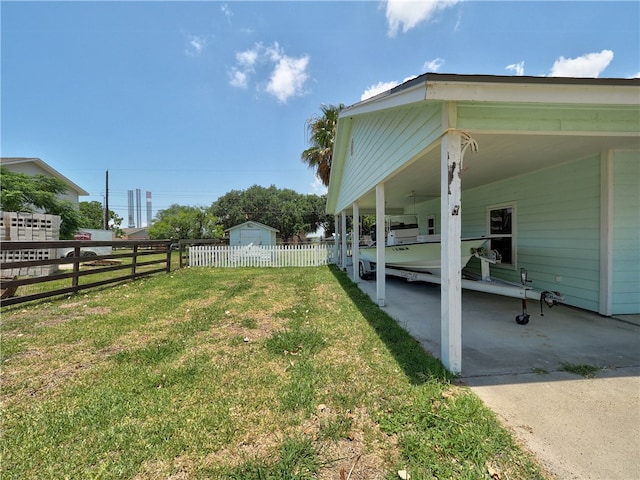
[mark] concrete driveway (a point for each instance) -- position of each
(578, 428)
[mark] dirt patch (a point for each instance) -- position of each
(28, 378)
(365, 453)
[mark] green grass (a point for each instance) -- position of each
(584, 370)
(98, 273)
(286, 373)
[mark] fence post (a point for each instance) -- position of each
(76, 269)
(134, 260)
(168, 258)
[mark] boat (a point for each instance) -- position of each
(406, 249)
(417, 258)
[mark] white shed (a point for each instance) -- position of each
(248, 233)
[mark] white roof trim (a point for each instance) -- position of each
(494, 88)
(257, 224)
(533, 93)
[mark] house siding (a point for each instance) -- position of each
(557, 227)
(382, 144)
(626, 233)
(541, 118)
(32, 169)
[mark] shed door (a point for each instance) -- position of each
(250, 236)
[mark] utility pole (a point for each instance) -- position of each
(106, 202)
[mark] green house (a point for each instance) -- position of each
(552, 165)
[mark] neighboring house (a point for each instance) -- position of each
(556, 174)
(251, 233)
(35, 166)
(135, 234)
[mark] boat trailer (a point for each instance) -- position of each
(484, 283)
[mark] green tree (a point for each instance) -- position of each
(93, 217)
(291, 213)
(29, 193)
(322, 133)
(184, 222)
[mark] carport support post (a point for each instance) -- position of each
(336, 236)
(451, 288)
(343, 240)
(380, 243)
(355, 242)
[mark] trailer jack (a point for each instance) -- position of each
(550, 298)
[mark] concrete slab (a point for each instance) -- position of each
(578, 428)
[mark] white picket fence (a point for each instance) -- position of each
(260, 256)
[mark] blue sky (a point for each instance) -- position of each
(189, 100)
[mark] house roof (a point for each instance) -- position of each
(558, 120)
(134, 230)
(8, 161)
(446, 86)
(251, 222)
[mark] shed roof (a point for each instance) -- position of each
(252, 223)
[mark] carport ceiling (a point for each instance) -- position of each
(499, 156)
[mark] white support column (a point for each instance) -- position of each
(343, 242)
(606, 233)
(336, 229)
(380, 244)
(451, 288)
(355, 242)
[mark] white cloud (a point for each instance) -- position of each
(317, 187)
(374, 90)
(288, 78)
(286, 75)
(274, 52)
(589, 65)
(238, 78)
(248, 58)
(195, 45)
(224, 8)
(433, 65)
(381, 87)
(517, 68)
(637, 75)
(406, 14)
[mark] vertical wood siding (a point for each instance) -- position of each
(626, 233)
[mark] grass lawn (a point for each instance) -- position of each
(288, 373)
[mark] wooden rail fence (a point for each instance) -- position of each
(37, 269)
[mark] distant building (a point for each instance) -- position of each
(135, 234)
(35, 166)
(248, 233)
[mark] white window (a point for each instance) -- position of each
(431, 224)
(501, 229)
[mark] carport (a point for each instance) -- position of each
(578, 428)
(561, 152)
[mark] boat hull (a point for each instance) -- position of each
(421, 256)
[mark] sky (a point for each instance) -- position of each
(190, 100)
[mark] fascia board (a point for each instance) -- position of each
(384, 101)
(533, 93)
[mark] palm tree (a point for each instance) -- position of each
(322, 133)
